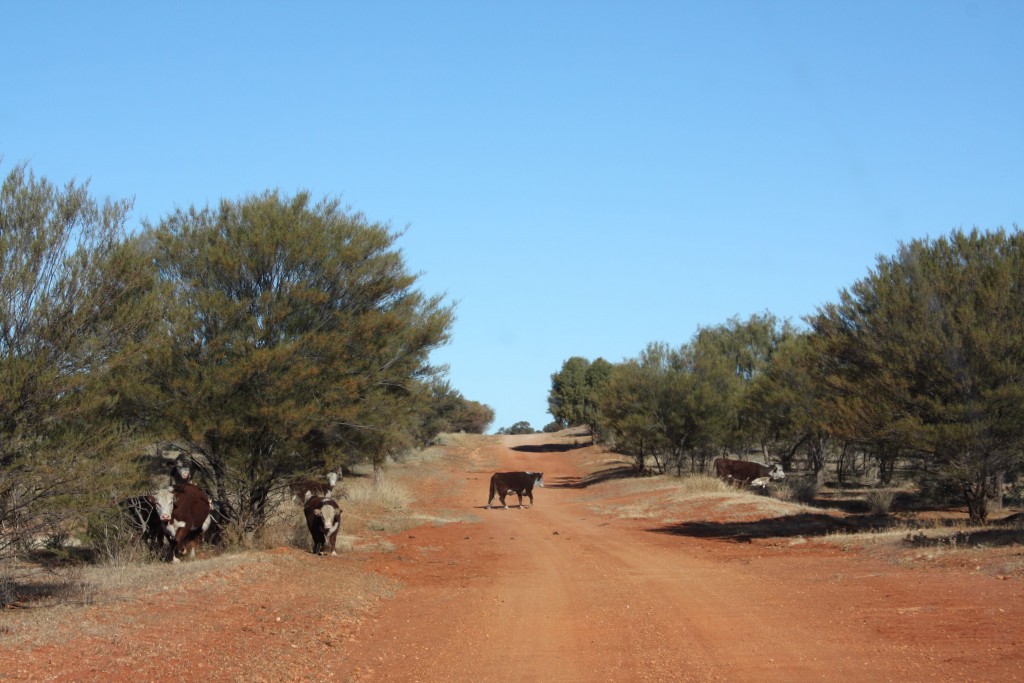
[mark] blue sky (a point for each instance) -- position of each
(582, 178)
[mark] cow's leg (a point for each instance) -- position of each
(520, 494)
(530, 494)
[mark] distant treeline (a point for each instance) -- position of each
(271, 336)
(919, 365)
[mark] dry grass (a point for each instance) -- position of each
(669, 498)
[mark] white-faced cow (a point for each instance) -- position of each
(144, 518)
(519, 483)
(323, 518)
(323, 488)
(185, 512)
(744, 472)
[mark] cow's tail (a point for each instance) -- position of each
(490, 494)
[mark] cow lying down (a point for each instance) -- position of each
(519, 483)
(323, 518)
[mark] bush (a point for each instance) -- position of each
(800, 490)
(880, 501)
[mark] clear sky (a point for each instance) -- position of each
(581, 177)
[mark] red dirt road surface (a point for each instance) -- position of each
(562, 591)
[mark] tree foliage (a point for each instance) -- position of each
(70, 301)
(927, 354)
(291, 338)
(572, 400)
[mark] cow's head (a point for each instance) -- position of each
(538, 479)
(776, 472)
(163, 501)
(332, 479)
(181, 470)
(329, 518)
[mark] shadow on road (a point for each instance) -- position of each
(607, 474)
(806, 524)
(549, 447)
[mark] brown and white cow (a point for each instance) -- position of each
(323, 488)
(323, 518)
(185, 513)
(744, 472)
(519, 483)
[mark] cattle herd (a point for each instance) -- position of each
(180, 514)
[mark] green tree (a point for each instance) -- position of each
(68, 295)
(927, 354)
(567, 397)
(785, 409)
(572, 397)
(449, 411)
(292, 337)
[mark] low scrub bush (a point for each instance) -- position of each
(803, 490)
(880, 501)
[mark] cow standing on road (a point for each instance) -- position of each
(520, 483)
(744, 472)
(323, 518)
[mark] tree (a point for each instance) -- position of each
(69, 304)
(788, 409)
(521, 427)
(572, 398)
(567, 397)
(927, 354)
(449, 411)
(291, 338)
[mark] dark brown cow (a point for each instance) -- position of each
(323, 518)
(322, 488)
(185, 512)
(743, 472)
(519, 483)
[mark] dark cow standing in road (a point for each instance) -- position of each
(323, 518)
(519, 483)
(322, 488)
(743, 472)
(185, 512)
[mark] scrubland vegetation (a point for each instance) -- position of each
(917, 372)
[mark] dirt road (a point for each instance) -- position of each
(559, 593)
(562, 591)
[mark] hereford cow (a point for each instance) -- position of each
(144, 519)
(743, 472)
(321, 488)
(185, 512)
(181, 470)
(519, 483)
(323, 518)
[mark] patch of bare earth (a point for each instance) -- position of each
(606, 578)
